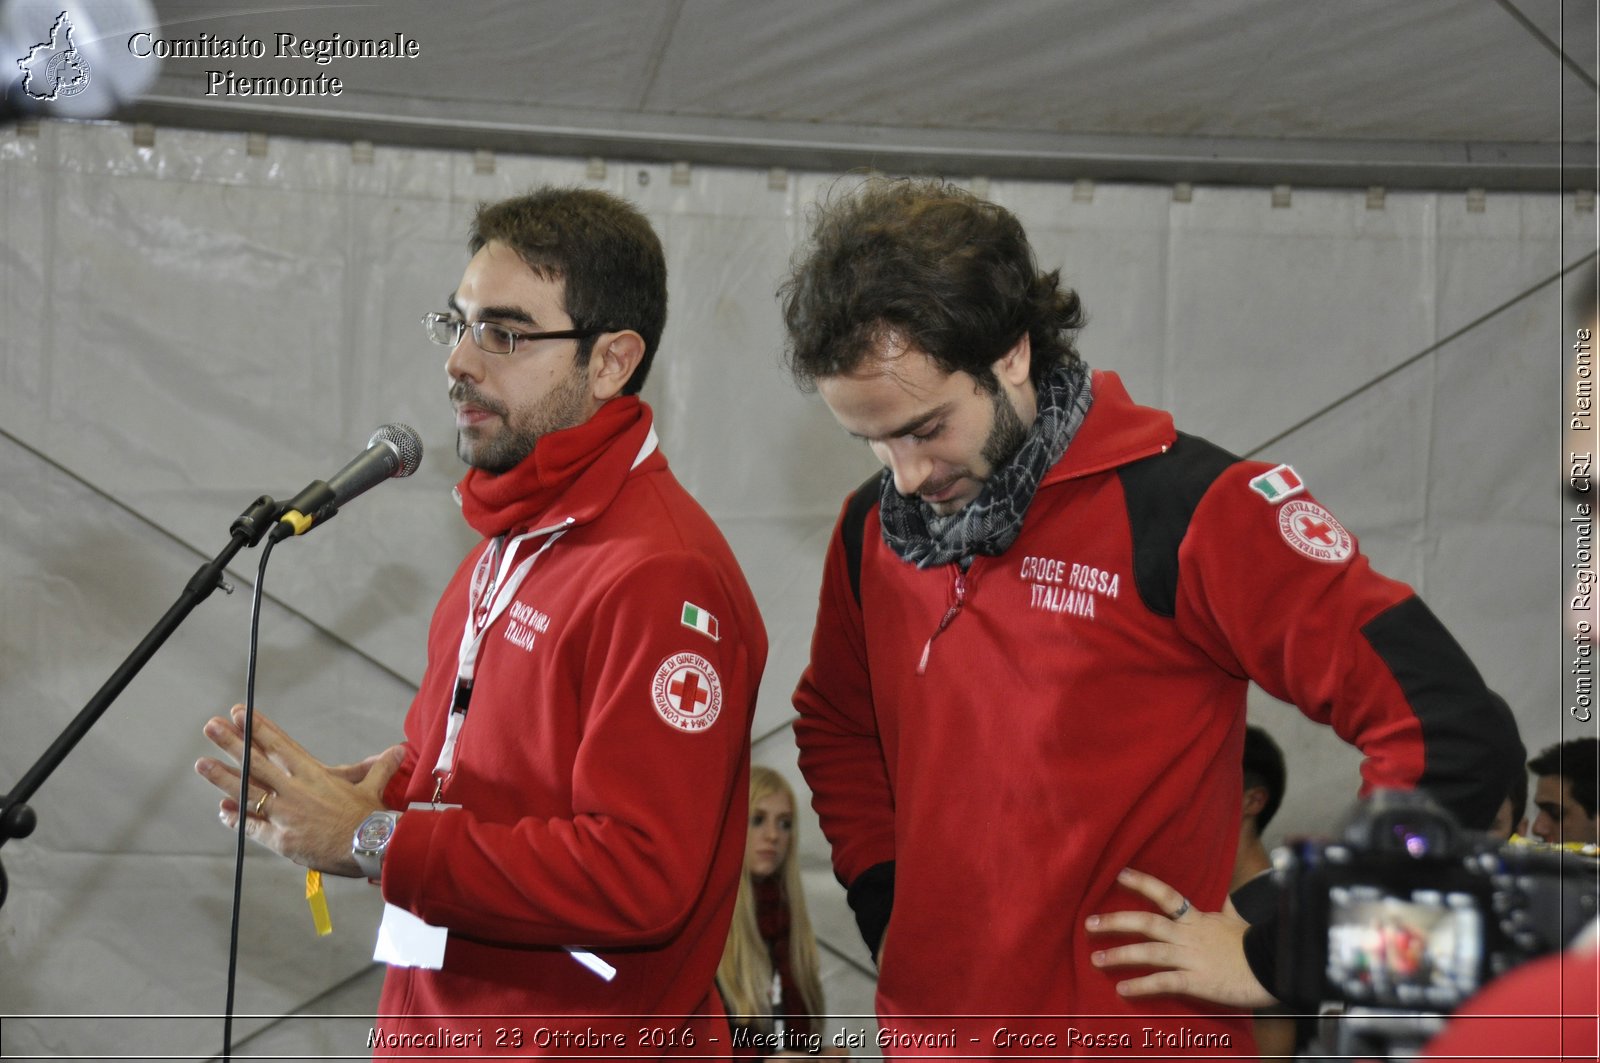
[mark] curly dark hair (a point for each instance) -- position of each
(604, 250)
(932, 264)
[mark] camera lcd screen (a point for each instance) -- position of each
(1412, 948)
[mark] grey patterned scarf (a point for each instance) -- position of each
(990, 523)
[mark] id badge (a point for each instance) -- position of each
(406, 941)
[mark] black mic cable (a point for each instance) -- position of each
(393, 450)
(244, 793)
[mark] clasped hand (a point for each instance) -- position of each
(298, 806)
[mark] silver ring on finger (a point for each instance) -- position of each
(1183, 910)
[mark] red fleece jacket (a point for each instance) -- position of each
(601, 770)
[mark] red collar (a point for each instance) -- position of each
(1115, 432)
(576, 471)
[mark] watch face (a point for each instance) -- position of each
(375, 830)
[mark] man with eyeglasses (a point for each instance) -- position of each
(559, 838)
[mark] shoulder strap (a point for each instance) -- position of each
(853, 528)
(1162, 492)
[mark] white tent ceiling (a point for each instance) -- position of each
(1423, 94)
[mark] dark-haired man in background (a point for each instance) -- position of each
(1035, 632)
(1565, 790)
(576, 761)
(1265, 779)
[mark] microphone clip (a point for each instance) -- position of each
(258, 518)
(311, 506)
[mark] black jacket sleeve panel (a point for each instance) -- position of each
(1468, 731)
(871, 897)
(853, 527)
(1468, 751)
(1161, 493)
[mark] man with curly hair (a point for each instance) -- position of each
(1035, 632)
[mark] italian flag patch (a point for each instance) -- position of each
(1275, 485)
(700, 620)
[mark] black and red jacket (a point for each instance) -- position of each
(1084, 711)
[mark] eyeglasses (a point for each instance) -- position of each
(446, 329)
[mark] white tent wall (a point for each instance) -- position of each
(189, 325)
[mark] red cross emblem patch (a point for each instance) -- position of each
(1314, 532)
(687, 692)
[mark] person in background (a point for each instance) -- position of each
(768, 976)
(1265, 779)
(1253, 892)
(1512, 819)
(1564, 791)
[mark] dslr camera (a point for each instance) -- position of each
(1406, 915)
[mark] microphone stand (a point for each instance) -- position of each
(17, 820)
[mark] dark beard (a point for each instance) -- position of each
(561, 408)
(1006, 435)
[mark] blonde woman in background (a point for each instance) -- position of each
(768, 975)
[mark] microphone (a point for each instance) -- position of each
(393, 450)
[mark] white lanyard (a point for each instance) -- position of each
(487, 598)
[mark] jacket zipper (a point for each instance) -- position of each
(944, 622)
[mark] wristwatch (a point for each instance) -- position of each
(372, 841)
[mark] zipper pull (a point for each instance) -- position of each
(944, 622)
